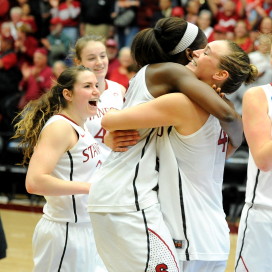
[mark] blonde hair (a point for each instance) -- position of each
(81, 43)
(237, 63)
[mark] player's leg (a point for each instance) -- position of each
(137, 241)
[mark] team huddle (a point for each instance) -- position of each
(157, 205)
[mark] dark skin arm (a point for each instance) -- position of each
(166, 78)
(231, 128)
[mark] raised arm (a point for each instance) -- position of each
(172, 77)
(257, 127)
(162, 111)
(179, 78)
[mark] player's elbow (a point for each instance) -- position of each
(31, 187)
(107, 121)
(229, 117)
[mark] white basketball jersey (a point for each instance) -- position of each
(190, 190)
(111, 98)
(79, 163)
(127, 181)
(259, 189)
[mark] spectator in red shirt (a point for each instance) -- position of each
(37, 79)
(4, 11)
(225, 16)
(25, 45)
(112, 52)
(68, 12)
(10, 76)
(28, 18)
(219, 33)
(125, 71)
(241, 36)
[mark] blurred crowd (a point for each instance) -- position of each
(38, 36)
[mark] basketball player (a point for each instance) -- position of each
(192, 157)
(63, 157)
(90, 51)
(254, 242)
(123, 202)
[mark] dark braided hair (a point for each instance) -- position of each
(152, 45)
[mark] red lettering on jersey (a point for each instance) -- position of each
(99, 163)
(85, 154)
(161, 268)
(223, 139)
(101, 112)
(100, 134)
(91, 152)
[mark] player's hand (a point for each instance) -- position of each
(218, 91)
(120, 140)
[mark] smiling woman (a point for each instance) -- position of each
(228, 65)
(184, 159)
(62, 156)
(90, 51)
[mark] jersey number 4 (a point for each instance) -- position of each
(100, 134)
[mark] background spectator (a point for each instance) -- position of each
(68, 13)
(25, 45)
(165, 10)
(4, 11)
(28, 19)
(219, 33)
(96, 17)
(261, 59)
(16, 20)
(45, 16)
(126, 70)
(10, 76)
(127, 27)
(241, 36)
(146, 13)
(265, 25)
(112, 52)
(57, 42)
(204, 22)
(58, 67)
(37, 79)
(192, 9)
(225, 16)
(6, 29)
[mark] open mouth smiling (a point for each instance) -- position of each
(93, 102)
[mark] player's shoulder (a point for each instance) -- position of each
(114, 88)
(112, 84)
(167, 70)
(254, 91)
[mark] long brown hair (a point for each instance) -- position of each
(36, 113)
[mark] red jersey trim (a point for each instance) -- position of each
(67, 118)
